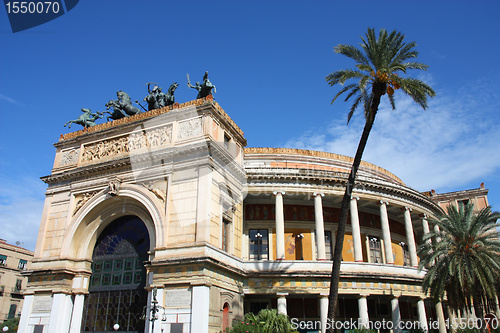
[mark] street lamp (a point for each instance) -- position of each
(116, 327)
(155, 308)
(5, 328)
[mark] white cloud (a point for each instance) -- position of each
(21, 205)
(453, 142)
(10, 100)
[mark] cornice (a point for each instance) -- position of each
(319, 154)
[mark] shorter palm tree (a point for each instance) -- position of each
(463, 258)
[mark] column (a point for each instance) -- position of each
(440, 315)
(200, 309)
(410, 238)
(323, 311)
(356, 233)
(76, 317)
(25, 313)
(396, 315)
(422, 317)
(320, 228)
(282, 302)
(425, 224)
(386, 233)
(60, 313)
(363, 311)
(280, 226)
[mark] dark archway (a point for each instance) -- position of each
(116, 291)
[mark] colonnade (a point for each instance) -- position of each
(364, 319)
(358, 254)
(356, 230)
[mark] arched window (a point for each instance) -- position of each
(116, 291)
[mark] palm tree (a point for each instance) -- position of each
(463, 258)
(381, 66)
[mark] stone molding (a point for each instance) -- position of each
(321, 154)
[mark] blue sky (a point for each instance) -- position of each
(268, 60)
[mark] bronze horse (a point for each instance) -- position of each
(87, 119)
(122, 107)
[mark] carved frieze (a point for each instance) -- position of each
(189, 128)
(130, 143)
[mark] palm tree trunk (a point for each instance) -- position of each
(344, 210)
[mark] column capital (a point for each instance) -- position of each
(382, 202)
(405, 208)
(324, 294)
(276, 192)
(354, 198)
(281, 294)
(423, 216)
(318, 193)
(363, 295)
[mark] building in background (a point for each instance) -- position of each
(14, 260)
(169, 206)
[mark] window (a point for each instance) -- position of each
(19, 286)
(226, 141)
(225, 234)
(3, 260)
(463, 202)
(22, 264)
(375, 250)
(406, 254)
(12, 311)
(258, 244)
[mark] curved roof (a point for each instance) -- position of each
(313, 160)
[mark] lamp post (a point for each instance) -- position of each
(155, 308)
(5, 328)
(116, 327)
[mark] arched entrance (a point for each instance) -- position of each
(116, 291)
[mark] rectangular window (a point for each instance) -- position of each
(225, 234)
(375, 250)
(19, 285)
(3, 260)
(226, 141)
(463, 202)
(22, 264)
(259, 249)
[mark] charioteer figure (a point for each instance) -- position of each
(204, 89)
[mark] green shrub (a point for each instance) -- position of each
(266, 321)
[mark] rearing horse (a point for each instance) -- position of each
(87, 119)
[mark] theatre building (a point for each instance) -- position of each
(168, 208)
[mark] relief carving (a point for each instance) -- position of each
(83, 199)
(191, 127)
(114, 186)
(70, 157)
(125, 144)
(160, 194)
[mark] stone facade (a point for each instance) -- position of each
(229, 230)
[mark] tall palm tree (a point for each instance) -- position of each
(463, 258)
(381, 67)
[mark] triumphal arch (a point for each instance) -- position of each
(138, 210)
